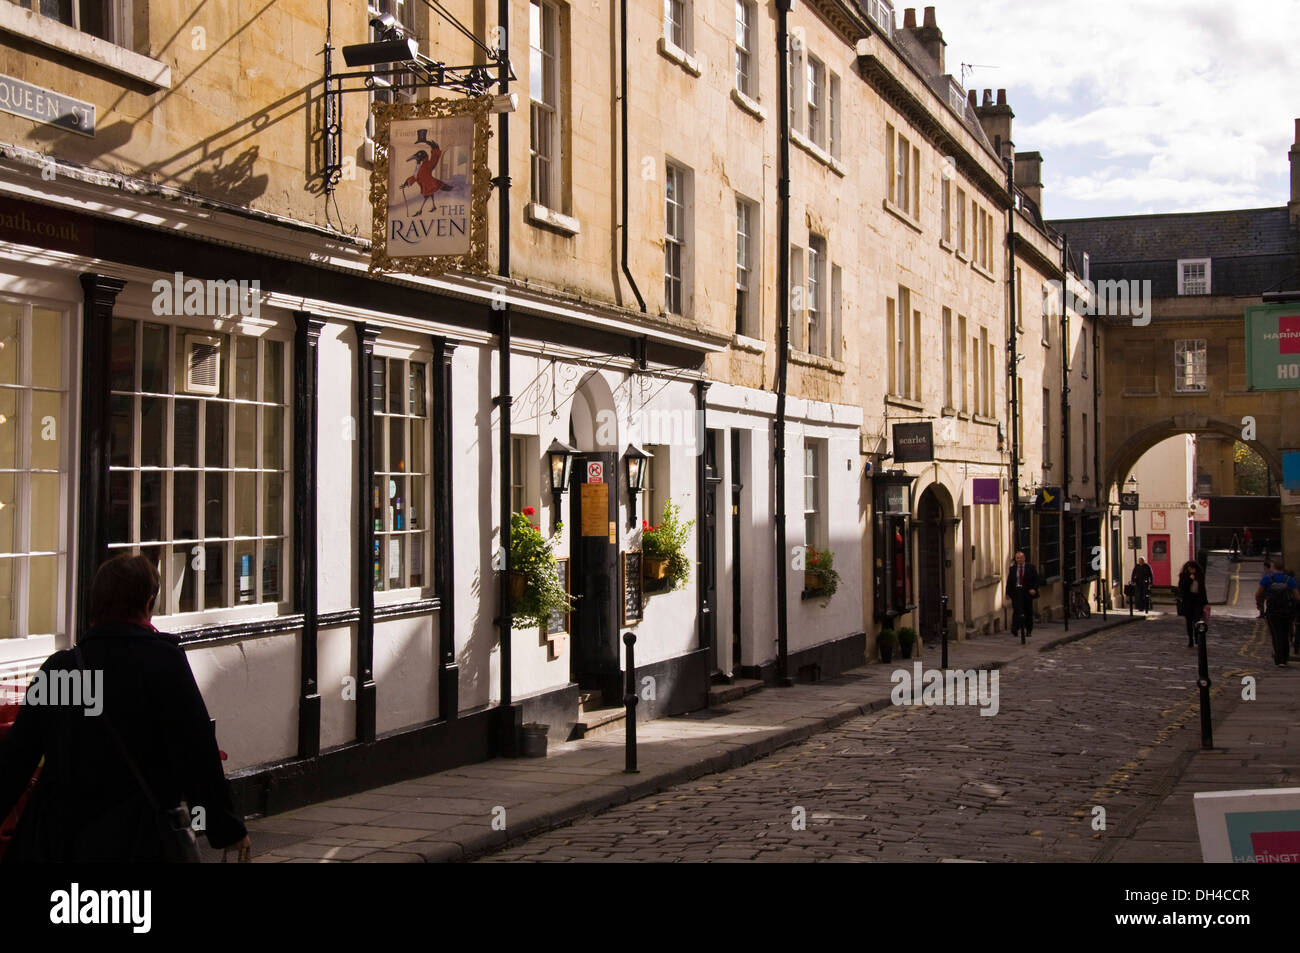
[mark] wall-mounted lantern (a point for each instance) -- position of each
(635, 460)
(560, 458)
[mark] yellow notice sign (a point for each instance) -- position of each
(595, 509)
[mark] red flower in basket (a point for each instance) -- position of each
(529, 511)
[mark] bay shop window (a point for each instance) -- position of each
(34, 479)
(198, 462)
(400, 447)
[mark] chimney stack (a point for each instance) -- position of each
(996, 120)
(928, 36)
(1029, 176)
(1294, 205)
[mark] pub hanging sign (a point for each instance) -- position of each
(429, 186)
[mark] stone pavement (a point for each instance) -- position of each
(467, 811)
(1256, 745)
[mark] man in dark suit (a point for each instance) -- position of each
(1022, 590)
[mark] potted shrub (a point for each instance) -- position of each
(906, 641)
(535, 589)
(885, 644)
(819, 573)
(663, 549)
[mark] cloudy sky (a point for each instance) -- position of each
(1140, 106)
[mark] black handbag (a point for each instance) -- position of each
(172, 824)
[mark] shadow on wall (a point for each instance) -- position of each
(235, 182)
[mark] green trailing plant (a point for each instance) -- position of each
(669, 540)
(821, 562)
(531, 556)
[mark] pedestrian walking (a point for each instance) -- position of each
(1236, 548)
(124, 763)
(1192, 599)
(1247, 541)
(1276, 598)
(1142, 579)
(1022, 590)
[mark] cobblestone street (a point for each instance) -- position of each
(1098, 723)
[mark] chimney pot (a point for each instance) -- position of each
(988, 97)
(973, 98)
(929, 18)
(909, 18)
(1002, 97)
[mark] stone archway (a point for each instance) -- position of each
(1125, 455)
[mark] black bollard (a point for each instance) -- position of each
(943, 628)
(1203, 682)
(629, 701)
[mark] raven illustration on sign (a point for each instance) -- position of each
(426, 164)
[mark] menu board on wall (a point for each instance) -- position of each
(558, 623)
(633, 594)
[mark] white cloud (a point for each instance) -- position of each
(1176, 104)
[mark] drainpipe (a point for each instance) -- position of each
(623, 105)
(1096, 457)
(783, 329)
(1065, 422)
(1014, 361)
(505, 612)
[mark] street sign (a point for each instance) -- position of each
(1048, 499)
(595, 472)
(1201, 511)
(1128, 501)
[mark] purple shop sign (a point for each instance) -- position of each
(986, 490)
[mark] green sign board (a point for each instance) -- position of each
(1273, 346)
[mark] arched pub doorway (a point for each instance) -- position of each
(933, 560)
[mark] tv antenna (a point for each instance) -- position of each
(967, 68)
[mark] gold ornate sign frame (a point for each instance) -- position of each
(476, 260)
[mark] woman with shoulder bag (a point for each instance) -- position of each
(130, 756)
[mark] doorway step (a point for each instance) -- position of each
(595, 718)
(739, 688)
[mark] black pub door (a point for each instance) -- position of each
(593, 570)
(930, 566)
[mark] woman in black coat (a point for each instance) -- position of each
(88, 805)
(1191, 598)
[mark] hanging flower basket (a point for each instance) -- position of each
(534, 579)
(663, 549)
(654, 568)
(820, 575)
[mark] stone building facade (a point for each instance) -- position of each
(326, 506)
